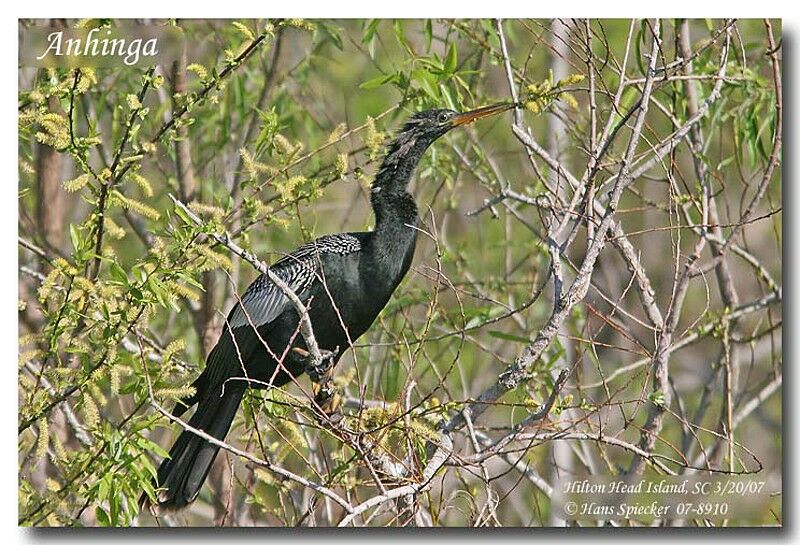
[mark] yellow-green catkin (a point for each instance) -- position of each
(76, 184)
(28, 355)
(341, 164)
(286, 189)
(182, 290)
(158, 248)
(28, 339)
(572, 79)
(43, 441)
(533, 106)
(285, 147)
(133, 102)
(253, 168)
(114, 379)
(114, 231)
(173, 348)
(48, 285)
(374, 138)
(136, 206)
(213, 259)
(244, 30)
(87, 79)
(58, 449)
(175, 394)
(26, 167)
(84, 284)
(36, 96)
(52, 484)
(143, 183)
(423, 429)
(55, 131)
(199, 70)
(91, 414)
(202, 209)
(248, 163)
(337, 133)
(569, 100)
(302, 24)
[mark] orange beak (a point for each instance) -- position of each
(486, 111)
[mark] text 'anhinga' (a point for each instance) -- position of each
(344, 279)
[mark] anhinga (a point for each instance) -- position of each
(344, 279)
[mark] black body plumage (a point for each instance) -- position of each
(345, 280)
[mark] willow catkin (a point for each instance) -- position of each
(44, 439)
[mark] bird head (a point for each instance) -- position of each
(423, 128)
(429, 125)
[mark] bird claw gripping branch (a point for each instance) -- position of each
(319, 371)
(321, 374)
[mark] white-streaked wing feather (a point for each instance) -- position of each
(264, 301)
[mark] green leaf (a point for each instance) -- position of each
(427, 83)
(183, 215)
(399, 33)
(102, 516)
(136, 293)
(375, 82)
(428, 32)
(153, 447)
(638, 47)
(75, 237)
(725, 162)
(509, 337)
(113, 503)
(118, 273)
(448, 97)
(451, 60)
(332, 34)
(369, 32)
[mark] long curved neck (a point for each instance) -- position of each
(396, 217)
(391, 201)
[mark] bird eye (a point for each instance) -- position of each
(444, 116)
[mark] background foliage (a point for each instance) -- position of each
(273, 137)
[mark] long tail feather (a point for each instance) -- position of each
(184, 472)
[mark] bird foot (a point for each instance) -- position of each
(319, 371)
(327, 399)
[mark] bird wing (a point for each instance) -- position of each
(264, 301)
(260, 305)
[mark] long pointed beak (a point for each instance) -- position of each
(486, 111)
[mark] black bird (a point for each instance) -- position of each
(344, 279)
